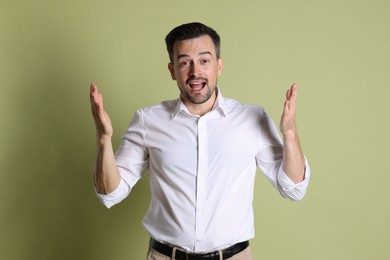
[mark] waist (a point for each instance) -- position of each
(183, 255)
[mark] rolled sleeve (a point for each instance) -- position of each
(119, 194)
(291, 190)
(131, 160)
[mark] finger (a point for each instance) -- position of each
(294, 96)
(96, 96)
(96, 100)
(92, 88)
(291, 91)
(92, 98)
(294, 90)
(94, 91)
(288, 94)
(286, 107)
(294, 86)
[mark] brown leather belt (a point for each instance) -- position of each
(181, 255)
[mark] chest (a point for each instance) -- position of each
(185, 146)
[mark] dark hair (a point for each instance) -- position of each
(191, 31)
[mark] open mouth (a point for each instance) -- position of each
(197, 85)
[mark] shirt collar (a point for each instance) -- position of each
(219, 104)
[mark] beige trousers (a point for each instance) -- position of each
(154, 255)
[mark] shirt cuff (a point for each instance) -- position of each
(291, 190)
(116, 196)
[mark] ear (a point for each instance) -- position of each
(220, 66)
(171, 70)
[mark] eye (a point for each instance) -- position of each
(185, 63)
(204, 61)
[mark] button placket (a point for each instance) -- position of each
(201, 184)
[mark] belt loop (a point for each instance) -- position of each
(174, 253)
(220, 254)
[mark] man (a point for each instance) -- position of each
(201, 151)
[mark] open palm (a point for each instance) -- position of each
(100, 116)
(287, 122)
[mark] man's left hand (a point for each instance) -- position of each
(287, 122)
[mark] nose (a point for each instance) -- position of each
(195, 70)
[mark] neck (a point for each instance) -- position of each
(200, 109)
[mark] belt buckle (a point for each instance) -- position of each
(213, 255)
(186, 255)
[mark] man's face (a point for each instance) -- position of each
(196, 68)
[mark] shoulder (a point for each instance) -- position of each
(166, 106)
(235, 106)
(153, 114)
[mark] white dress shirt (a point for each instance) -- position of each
(202, 171)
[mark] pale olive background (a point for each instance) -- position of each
(337, 51)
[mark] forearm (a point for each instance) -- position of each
(106, 174)
(293, 158)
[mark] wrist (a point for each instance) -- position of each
(103, 139)
(290, 134)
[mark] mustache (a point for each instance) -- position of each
(196, 78)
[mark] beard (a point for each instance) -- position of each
(199, 97)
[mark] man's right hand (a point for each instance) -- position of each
(102, 120)
(105, 174)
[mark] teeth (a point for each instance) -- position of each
(196, 86)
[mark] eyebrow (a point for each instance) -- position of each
(201, 53)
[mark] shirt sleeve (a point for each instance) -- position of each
(119, 194)
(131, 159)
(270, 158)
(291, 190)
